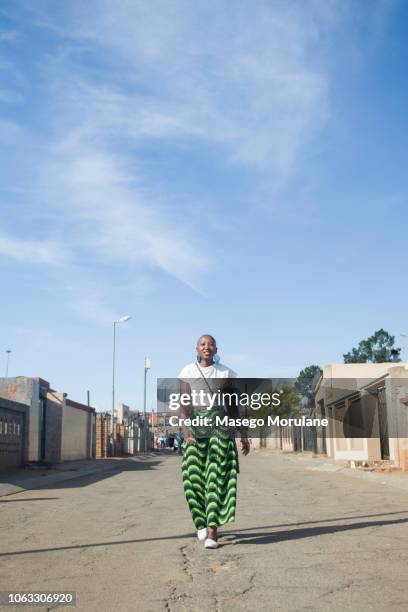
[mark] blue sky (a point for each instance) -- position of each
(232, 168)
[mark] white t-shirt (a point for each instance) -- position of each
(217, 370)
(191, 375)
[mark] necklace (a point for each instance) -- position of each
(214, 369)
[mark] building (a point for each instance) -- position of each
(367, 410)
(38, 423)
(122, 412)
(160, 419)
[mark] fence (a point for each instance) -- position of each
(102, 433)
(292, 438)
(130, 438)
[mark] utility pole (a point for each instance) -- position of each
(147, 367)
(112, 436)
(8, 351)
(115, 323)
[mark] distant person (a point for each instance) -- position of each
(180, 440)
(210, 464)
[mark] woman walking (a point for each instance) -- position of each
(210, 461)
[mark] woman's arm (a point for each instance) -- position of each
(233, 413)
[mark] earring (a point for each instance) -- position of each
(198, 358)
(216, 359)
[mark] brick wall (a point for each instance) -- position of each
(102, 431)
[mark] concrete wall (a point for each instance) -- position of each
(396, 389)
(59, 428)
(53, 420)
(356, 370)
(75, 433)
(356, 377)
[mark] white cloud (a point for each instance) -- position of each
(246, 81)
(253, 79)
(33, 252)
(109, 214)
(249, 80)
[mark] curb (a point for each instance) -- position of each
(320, 464)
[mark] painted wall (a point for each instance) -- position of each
(26, 391)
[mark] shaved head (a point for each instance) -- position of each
(207, 336)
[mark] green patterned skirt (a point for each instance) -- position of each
(210, 469)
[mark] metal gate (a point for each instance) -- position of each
(383, 424)
(309, 438)
(11, 438)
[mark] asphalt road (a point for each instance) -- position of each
(304, 539)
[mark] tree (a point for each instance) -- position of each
(378, 348)
(306, 380)
(289, 404)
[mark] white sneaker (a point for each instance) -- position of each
(202, 534)
(209, 543)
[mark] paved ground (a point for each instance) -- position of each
(305, 539)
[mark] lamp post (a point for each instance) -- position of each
(8, 351)
(147, 367)
(115, 323)
(152, 424)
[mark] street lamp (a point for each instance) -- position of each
(147, 366)
(8, 351)
(115, 323)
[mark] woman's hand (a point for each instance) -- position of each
(245, 446)
(189, 440)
